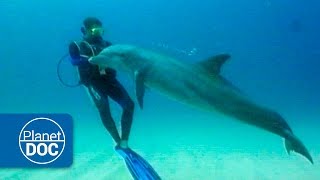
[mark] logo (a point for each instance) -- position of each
(36, 140)
(42, 140)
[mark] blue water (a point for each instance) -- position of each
(275, 50)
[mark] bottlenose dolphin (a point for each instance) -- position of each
(199, 85)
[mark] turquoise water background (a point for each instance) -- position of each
(275, 49)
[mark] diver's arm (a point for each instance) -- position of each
(76, 57)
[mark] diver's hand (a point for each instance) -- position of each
(102, 71)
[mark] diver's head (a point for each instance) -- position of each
(92, 28)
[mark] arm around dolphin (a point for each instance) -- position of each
(97, 60)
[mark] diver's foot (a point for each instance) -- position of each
(123, 144)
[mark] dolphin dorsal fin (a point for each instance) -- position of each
(214, 63)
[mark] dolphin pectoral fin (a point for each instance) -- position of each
(288, 146)
(214, 63)
(140, 88)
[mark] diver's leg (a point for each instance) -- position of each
(101, 101)
(118, 93)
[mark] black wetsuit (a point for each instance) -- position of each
(103, 86)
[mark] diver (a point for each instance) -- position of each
(102, 84)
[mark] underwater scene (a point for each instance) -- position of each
(172, 90)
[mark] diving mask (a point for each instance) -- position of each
(97, 31)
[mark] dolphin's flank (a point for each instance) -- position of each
(199, 85)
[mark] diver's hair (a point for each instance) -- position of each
(90, 22)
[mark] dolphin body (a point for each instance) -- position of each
(199, 85)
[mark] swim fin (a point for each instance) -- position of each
(139, 168)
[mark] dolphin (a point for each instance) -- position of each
(197, 84)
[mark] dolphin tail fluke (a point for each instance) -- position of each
(294, 144)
